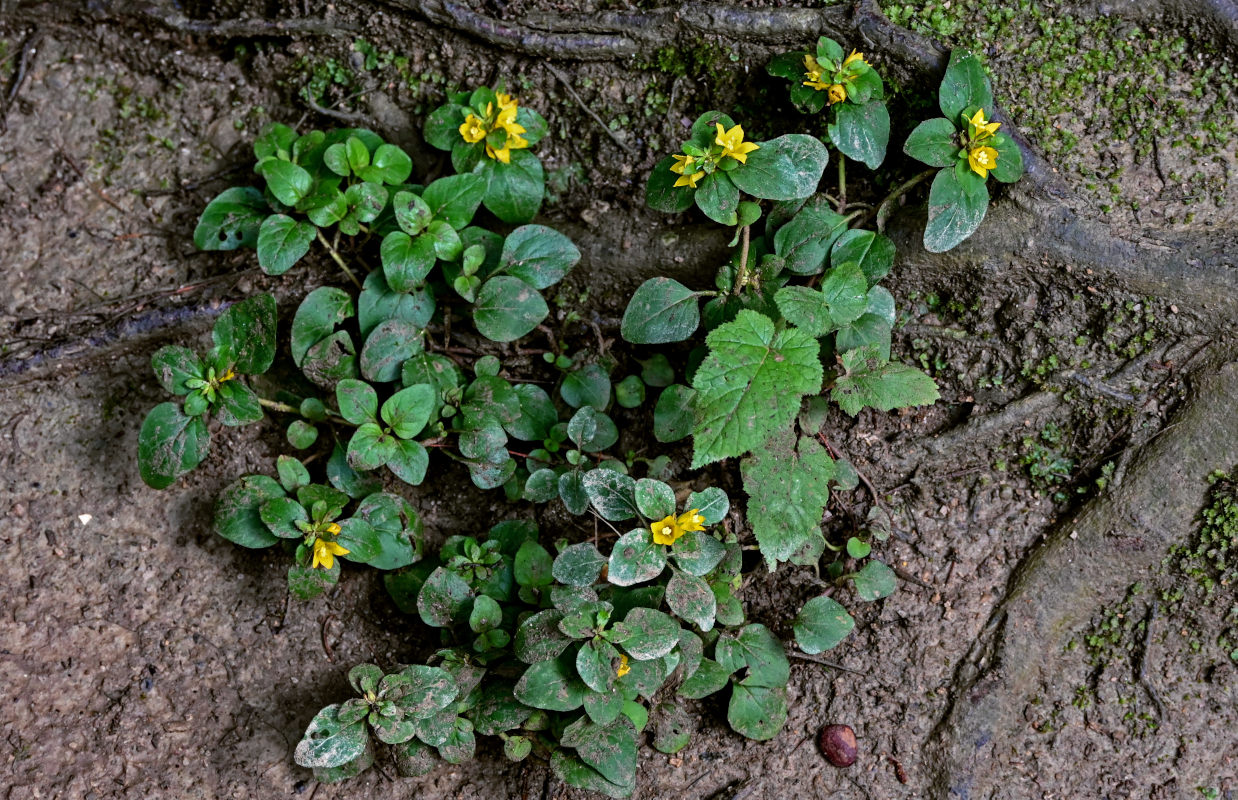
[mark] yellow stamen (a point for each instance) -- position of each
(473, 130)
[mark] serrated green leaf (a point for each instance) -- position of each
(869, 381)
(750, 385)
(787, 493)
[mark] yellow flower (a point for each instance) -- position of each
(333, 528)
(227, 376)
(505, 100)
(681, 168)
(691, 521)
(473, 130)
(982, 159)
(666, 530)
(855, 56)
(507, 119)
(733, 143)
(502, 154)
(325, 553)
(812, 71)
(838, 93)
(984, 130)
(624, 669)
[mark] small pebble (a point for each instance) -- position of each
(838, 745)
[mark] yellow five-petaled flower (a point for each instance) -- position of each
(983, 130)
(623, 669)
(733, 144)
(666, 530)
(690, 521)
(685, 168)
(325, 551)
(475, 129)
(981, 160)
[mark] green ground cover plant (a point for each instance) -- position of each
(559, 648)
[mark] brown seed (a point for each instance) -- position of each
(838, 745)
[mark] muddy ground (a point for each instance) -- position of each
(143, 656)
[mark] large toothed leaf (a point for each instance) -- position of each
(750, 385)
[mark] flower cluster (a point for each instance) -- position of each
(840, 76)
(696, 162)
(669, 529)
(499, 129)
(980, 156)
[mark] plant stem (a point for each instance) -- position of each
(886, 208)
(842, 183)
(741, 279)
(277, 406)
(335, 254)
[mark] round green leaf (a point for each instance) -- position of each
(635, 558)
(662, 310)
(508, 308)
(389, 165)
(537, 414)
(717, 196)
(691, 599)
(821, 624)
(612, 494)
(231, 220)
(316, 318)
(661, 194)
(444, 599)
(874, 252)
(697, 552)
(369, 448)
(287, 181)
(386, 349)
(785, 168)
(379, 303)
(958, 201)
(578, 565)
(655, 499)
(862, 132)
(934, 142)
(538, 255)
(630, 392)
(282, 242)
(408, 410)
(551, 685)
(875, 581)
(328, 743)
(237, 516)
(964, 85)
(455, 199)
(673, 416)
(757, 712)
(514, 191)
(1009, 166)
(587, 386)
(407, 261)
(646, 633)
(170, 444)
(174, 365)
(572, 492)
(244, 335)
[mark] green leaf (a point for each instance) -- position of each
(541, 486)
(756, 648)
(594, 665)
(275, 141)
(646, 633)
(662, 310)
(328, 743)
(630, 392)
(359, 539)
(572, 492)
(875, 581)
(387, 347)
(958, 201)
(609, 749)
(237, 405)
(538, 255)
(612, 494)
(635, 558)
(709, 677)
(316, 318)
(460, 745)
(514, 191)
(587, 386)
(282, 242)
(357, 400)
(757, 712)
(537, 414)
(397, 526)
(442, 128)
(673, 416)
(934, 142)
(575, 772)
(389, 165)
(785, 168)
(750, 385)
(532, 565)
(691, 599)
(455, 199)
(654, 499)
(578, 565)
(445, 599)
(407, 261)
(845, 289)
(170, 444)
(408, 410)
(1009, 167)
(862, 132)
(498, 711)
(821, 624)
(787, 493)
(345, 479)
(244, 335)
(231, 220)
(870, 330)
(508, 308)
(331, 360)
(370, 448)
(805, 241)
(412, 213)
(379, 303)
(174, 365)
(237, 517)
(662, 195)
(287, 181)
(871, 382)
(963, 86)
(538, 638)
(874, 253)
(551, 685)
(409, 461)
(717, 196)
(419, 690)
(697, 552)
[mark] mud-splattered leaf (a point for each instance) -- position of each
(635, 558)
(328, 743)
(508, 308)
(871, 381)
(445, 599)
(785, 168)
(231, 220)
(538, 255)
(958, 201)
(237, 516)
(757, 712)
(821, 624)
(552, 685)
(662, 310)
(170, 444)
(787, 491)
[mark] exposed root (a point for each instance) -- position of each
(246, 28)
(1084, 563)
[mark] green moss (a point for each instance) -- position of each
(1211, 559)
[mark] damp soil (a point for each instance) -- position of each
(141, 655)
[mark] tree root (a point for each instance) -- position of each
(1084, 563)
(246, 28)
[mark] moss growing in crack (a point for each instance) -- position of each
(1211, 559)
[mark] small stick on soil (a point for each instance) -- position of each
(907, 576)
(899, 772)
(823, 662)
(27, 51)
(326, 645)
(351, 117)
(627, 148)
(1143, 661)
